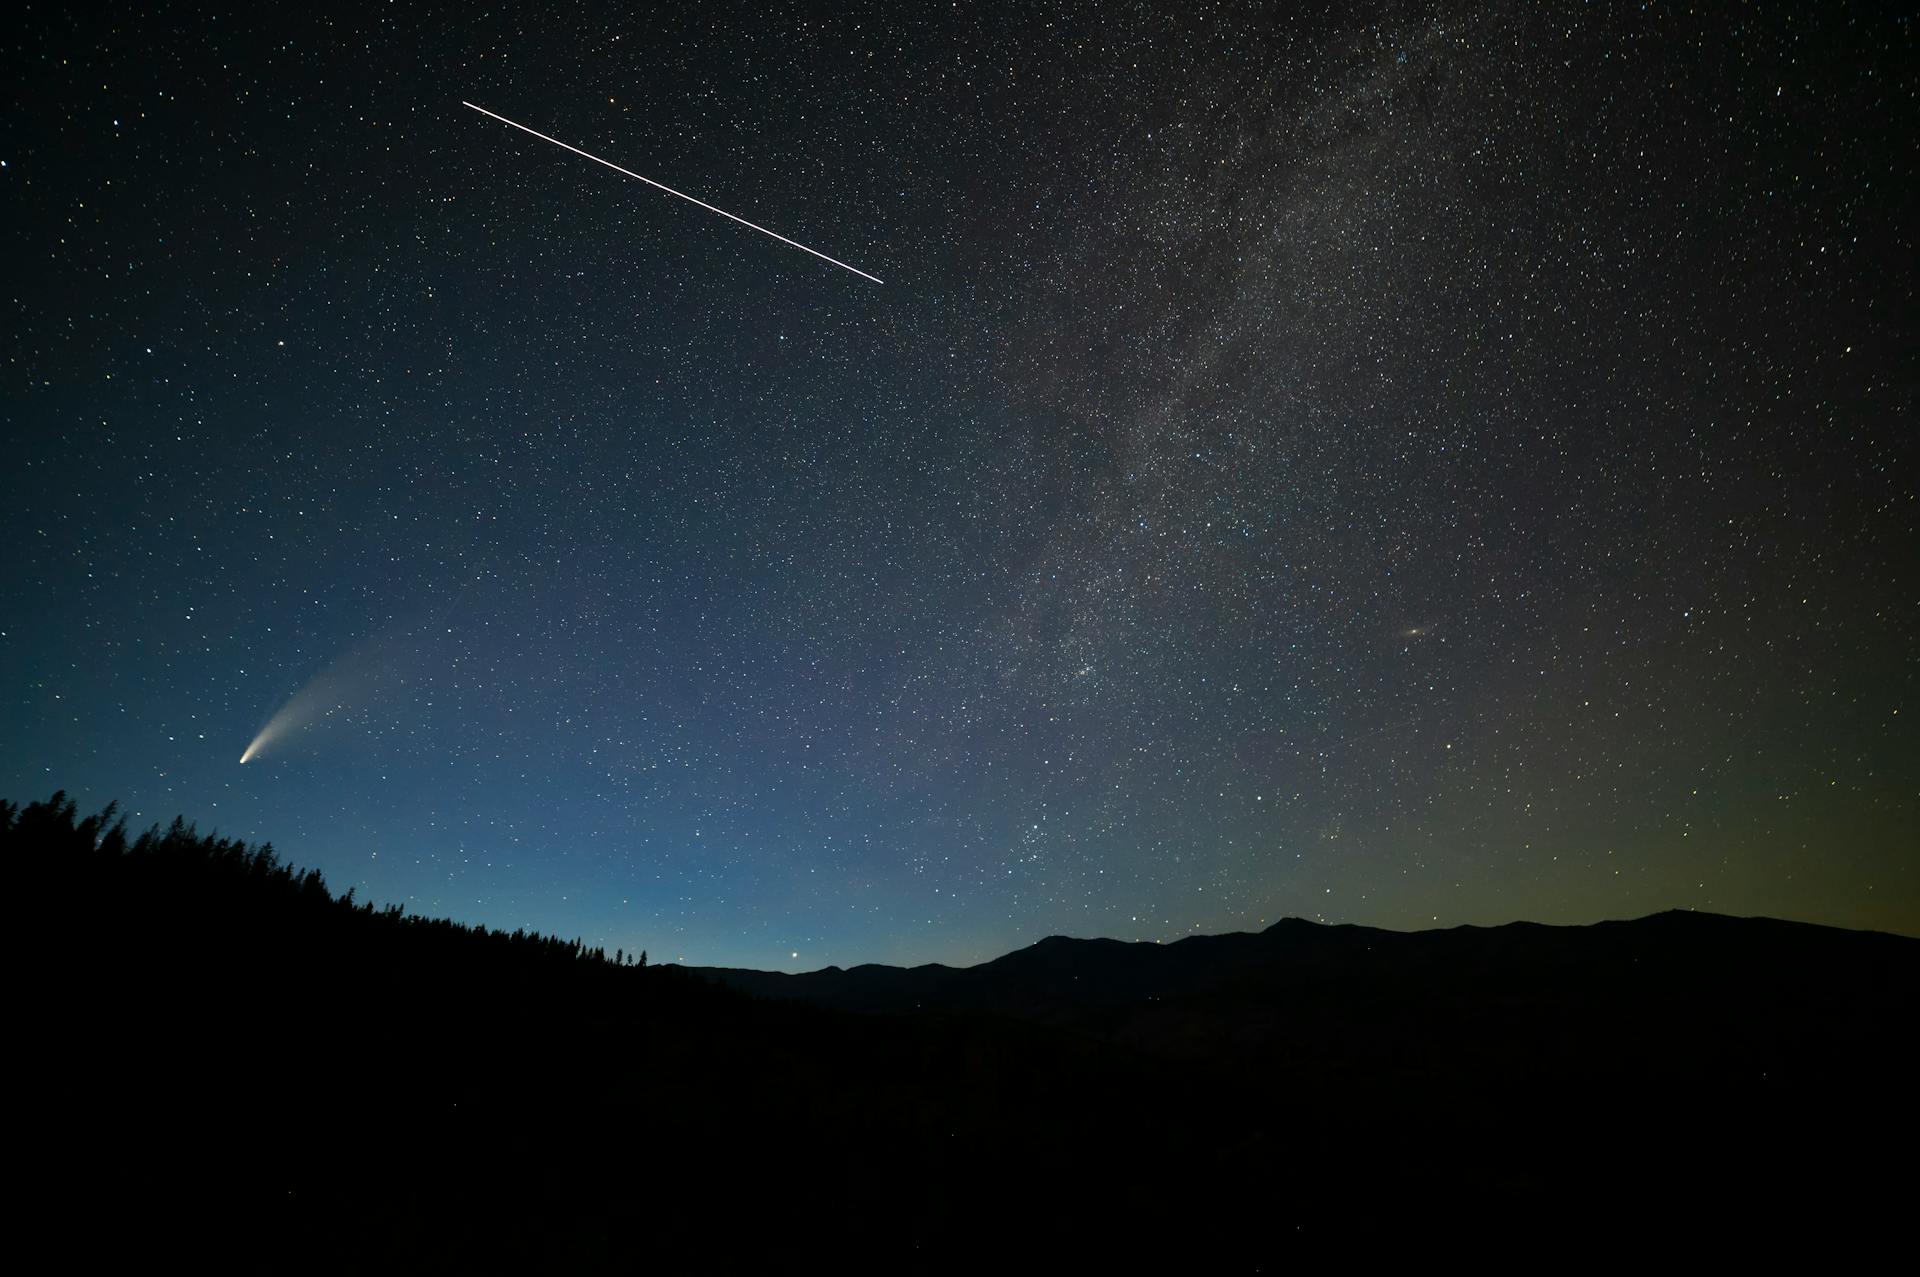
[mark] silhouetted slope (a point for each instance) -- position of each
(204, 1024)
(214, 1042)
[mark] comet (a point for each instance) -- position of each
(375, 672)
(337, 691)
(669, 190)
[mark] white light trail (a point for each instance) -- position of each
(669, 190)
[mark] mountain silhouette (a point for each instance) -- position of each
(219, 1056)
(1674, 993)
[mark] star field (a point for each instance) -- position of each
(1408, 466)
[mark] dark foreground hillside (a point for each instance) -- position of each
(222, 1059)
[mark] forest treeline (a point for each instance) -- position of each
(185, 874)
(203, 1020)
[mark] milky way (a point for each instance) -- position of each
(1415, 466)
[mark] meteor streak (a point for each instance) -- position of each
(669, 190)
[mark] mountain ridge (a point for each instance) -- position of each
(1705, 978)
(1061, 939)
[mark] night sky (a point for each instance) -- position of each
(1407, 467)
